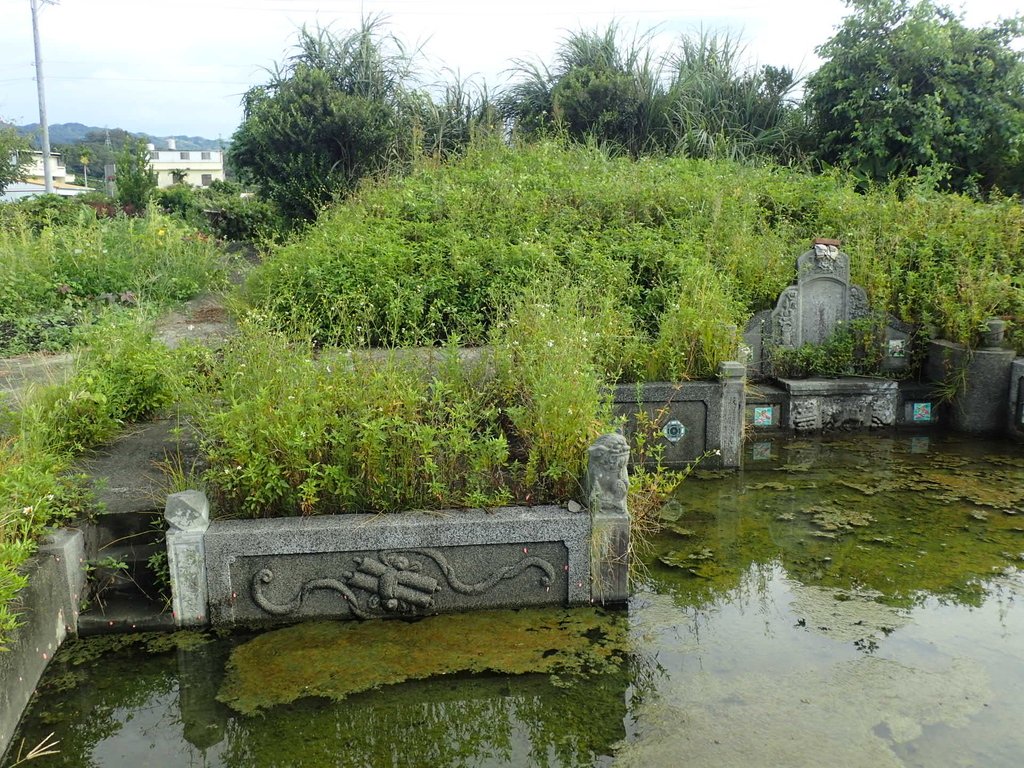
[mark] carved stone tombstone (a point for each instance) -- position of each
(810, 310)
(820, 302)
(822, 299)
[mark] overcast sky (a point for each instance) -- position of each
(181, 67)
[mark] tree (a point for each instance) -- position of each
(334, 113)
(599, 87)
(13, 156)
(134, 179)
(907, 89)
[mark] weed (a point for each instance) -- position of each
(101, 576)
(48, 746)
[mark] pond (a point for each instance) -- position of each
(853, 602)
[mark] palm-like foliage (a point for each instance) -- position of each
(698, 100)
(717, 108)
(461, 110)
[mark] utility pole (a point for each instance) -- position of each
(47, 170)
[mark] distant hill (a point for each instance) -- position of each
(74, 133)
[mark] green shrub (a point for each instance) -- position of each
(222, 210)
(854, 349)
(41, 211)
(123, 376)
(60, 276)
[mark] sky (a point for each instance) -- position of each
(180, 68)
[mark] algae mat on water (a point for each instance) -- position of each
(336, 659)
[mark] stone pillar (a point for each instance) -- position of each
(734, 406)
(67, 548)
(979, 382)
(188, 516)
(1015, 427)
(607, 486)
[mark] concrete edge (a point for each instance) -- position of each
(48, 610)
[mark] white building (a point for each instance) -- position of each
(34, 179)
(189, 166)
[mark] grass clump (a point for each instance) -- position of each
(121, 375)
(286, 433)
(36, 493)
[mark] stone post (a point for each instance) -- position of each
(734, 405)
(67, 548)
(606, 487)
(188, 516)
(1015, 427)
(979, 381)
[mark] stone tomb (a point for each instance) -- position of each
(808, 312)
(821, 301)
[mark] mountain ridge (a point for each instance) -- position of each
(75, 133)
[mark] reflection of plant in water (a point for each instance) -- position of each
(82, 699)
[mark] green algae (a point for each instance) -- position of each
(831, 518)
(84, 650)
(865, 514)
(337, 659)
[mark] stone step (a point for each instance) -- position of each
(130, 474)
(120, 612)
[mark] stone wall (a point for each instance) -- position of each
(361, 566)
(689, 420)
(411, 563)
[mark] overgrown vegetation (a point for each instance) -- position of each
(122, 376)
(285, 432)
(696, 100)
(60, 265)
(672, 254)
(68, 277)
(222, 210)
(857, 348)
